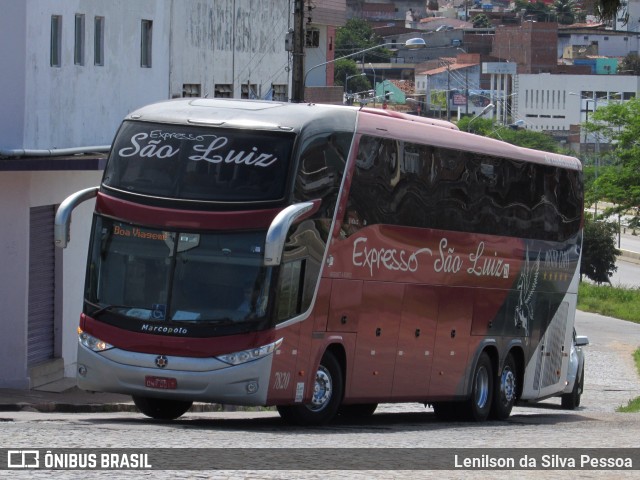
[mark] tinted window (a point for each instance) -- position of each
(401, 183)
(196, 163)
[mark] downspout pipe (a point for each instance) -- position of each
(53, 152)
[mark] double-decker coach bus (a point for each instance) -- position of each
(323, 259)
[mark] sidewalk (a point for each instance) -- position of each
(59, 397)
(64, 397)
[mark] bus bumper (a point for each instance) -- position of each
(191, 379)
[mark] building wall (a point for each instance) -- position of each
(19, 191)
(609, 43)
(45, 107)
(547, 101)
(96, 96)
(214, 44)
(532, 45)
(12, 79)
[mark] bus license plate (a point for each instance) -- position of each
(164, 383)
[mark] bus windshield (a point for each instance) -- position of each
(199, 163)
(212, 278)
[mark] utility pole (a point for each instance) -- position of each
(297, 74)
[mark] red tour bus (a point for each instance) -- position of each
(324, 259)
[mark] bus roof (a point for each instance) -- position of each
(294, 117)
(234, 113)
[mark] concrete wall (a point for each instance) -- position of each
(545, 101)
(78, 105)
(19, 191)
(213, 43)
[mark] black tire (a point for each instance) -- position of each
(478, 406)
(504, 390)
(161, 408)
(359, 410)
(328, 391)
(571, 401)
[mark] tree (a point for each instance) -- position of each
(607, 10)
(620, 183)
(345, 68)
(565, 11)
(358, 35)
(516, 136)
(481, 21)
(630, 65)
(599, 251)
(538, 10)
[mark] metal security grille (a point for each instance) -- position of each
(550, 359)
(40, 346)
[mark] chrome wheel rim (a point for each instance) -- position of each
(508, 386)
(322, 390)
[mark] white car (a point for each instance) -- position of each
(575, 376)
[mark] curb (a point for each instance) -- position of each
(629, 254)
(55, 407)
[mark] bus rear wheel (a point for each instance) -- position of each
(161, 408)
(327, 396)
(479, 405)
(504, 393)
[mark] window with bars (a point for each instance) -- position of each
(191, 90)
(98, 41)
(248, 90)
(55, 53)
(223, 90)
(146, 43)
(279, 92)
(312, 38)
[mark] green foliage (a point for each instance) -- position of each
(538, 11)
(607, 10)
(358, 35)
(617, 302)
(345, 68)
(481, 21)
(526, 138)
(630, 65)
(519, 136)
(619, 123)
(565, 11)
(599, 250)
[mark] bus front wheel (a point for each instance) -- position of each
(160, 408)
(327, 396)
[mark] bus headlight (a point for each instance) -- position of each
(92, 343)
(237, 358)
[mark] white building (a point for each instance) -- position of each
(71, 70)
(548, 102)
(609, 43)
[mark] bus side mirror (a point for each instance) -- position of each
(62, 223)
(277, 233)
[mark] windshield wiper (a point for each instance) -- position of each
(108, 307)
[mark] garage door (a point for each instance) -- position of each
(42, 268)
